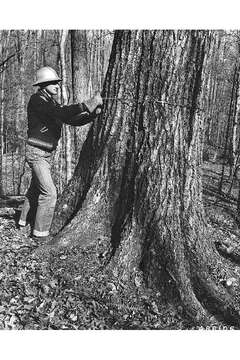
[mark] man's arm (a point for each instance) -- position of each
(49, 110)
(93, 108)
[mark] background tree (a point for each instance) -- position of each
(80, 79)
(66, 129)
(4, 53)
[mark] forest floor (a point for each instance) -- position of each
(71, 288)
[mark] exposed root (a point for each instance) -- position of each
(221, 301)
(229, 249)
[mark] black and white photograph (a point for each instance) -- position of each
(119, 179)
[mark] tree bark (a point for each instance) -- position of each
(66, 130)
(137, 184)
(80, 79)
(4, 53)
(228, 143)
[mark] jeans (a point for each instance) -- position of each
(41, 196)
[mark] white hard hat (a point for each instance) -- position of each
(46, 74)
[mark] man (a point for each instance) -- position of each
(45, 119)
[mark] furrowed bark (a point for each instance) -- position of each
(138, 180)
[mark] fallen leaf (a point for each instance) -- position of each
(73, 317)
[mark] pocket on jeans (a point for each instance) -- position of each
(34, 153)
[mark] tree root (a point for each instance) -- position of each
(229, 249)
(220, 300)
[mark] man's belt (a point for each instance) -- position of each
(40, 144)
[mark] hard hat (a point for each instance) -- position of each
(46, 74)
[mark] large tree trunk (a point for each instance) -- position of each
(138, 185)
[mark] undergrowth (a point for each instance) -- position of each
(73, 288)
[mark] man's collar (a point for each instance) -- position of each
(44, 93)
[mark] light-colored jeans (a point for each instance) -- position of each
(41, 196)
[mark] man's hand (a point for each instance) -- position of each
(94, 102)
(99, 99)
(98, 111)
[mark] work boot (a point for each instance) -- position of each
(24, 230)
(42, 239)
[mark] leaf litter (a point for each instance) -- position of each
(73, 289)
(70, 290)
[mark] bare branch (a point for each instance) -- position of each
(2, 64)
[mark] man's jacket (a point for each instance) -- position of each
(46, 117)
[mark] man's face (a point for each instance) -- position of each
(52, 88)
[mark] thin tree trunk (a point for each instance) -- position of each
(67, 132)
(235, 139)
(20, 122)
(1, 131)
(80, 78)
(3, 51)
(229, 123)
(59, 173)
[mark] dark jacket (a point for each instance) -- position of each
(46, 117)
